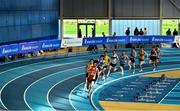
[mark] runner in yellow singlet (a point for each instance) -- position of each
(142, 55)
(106, 64)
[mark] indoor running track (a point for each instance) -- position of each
(55, 83)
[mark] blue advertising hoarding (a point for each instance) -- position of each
(51, 44)
(30, 47)
(7, 50)
(10, 49)
(127, 39)
(139, 39)
(94, 41)
(163, 39)
(116, 40)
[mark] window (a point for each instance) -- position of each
(169, 24)
(120, 26)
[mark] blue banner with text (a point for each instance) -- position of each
(26, 47)
(127, 39)
(7, 50)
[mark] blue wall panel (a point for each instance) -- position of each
(28, 19)
(4, 34)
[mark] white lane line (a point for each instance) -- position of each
(112, 73)
(48, 94)
(34, 58)
(27, 74)
(38, 70)
(19, 60)
(25, 66)
(60, 59)
(43, 62)
(169, 93)
(70, 95)
(56, 85)
(124, 78)
(31, 85)
(33, 71)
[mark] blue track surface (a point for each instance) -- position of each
(125, 90)
(54, 83)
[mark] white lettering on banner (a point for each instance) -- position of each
(46, 45)
(135, 39)
(56, 45)
(49, 45)
(139, 39)
(71, 42)
(5, 51)
(161, 40)
(26, 48)
(131, 39)
(93, 41)
(117, 40)
(29, 47)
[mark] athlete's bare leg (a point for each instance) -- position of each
(91, 87)
(122, 70)
(129, 64)
(109, 70)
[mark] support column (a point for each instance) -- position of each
(179, 27)
(61, 20)
(110, 16)
(161, 14)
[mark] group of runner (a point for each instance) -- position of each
(97, 68)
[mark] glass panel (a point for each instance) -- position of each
(70, 28)
(83, 30)
(169, 24)
(120, 26)
(102, 26)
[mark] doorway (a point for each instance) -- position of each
(179, 28)
(86, 30)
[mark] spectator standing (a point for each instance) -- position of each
(145, 31)
(114, 34)
(175, 32)
(93, 32)
(127, 32)
(168, 32)
(141, 32)
(79, 33)
(115, 45)
(103, 34)
(104, 46)
(136, 31)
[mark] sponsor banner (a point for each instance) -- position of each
(51, 44)
(30, 47)
(94, 41)
(7, 50)
(163, 39)
(12, 49)
(128, 39)
(71, 42)
(139, 39)
(116, 40)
